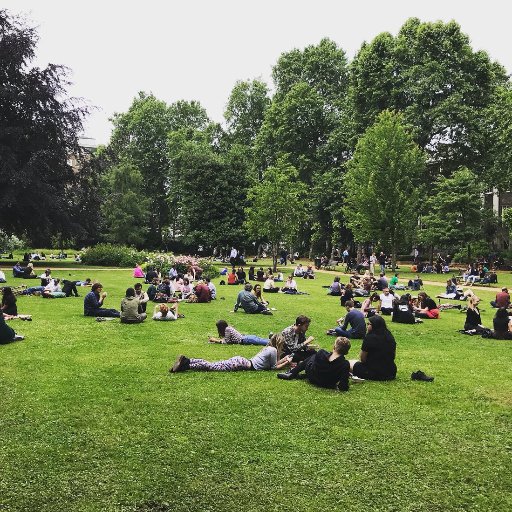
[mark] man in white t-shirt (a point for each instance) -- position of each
(386, 302)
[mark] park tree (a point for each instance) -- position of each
(382, 184)
(430, 73)
(210, 202)
(453, 216)
(124, 208)
(277, 208)
(39, 127)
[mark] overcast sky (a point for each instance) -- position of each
(197, 50)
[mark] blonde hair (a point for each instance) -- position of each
(342, 345)
(277, 341)
(473, 301)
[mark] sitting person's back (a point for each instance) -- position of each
(502, 325)
(202, 292)
(402, 311)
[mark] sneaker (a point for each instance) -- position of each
(270, 334)
(267, 312)
(330, 332)
(356, 380)
(286, 376)
(100, 319)
(419, 375)
(181, 364)
(18, 337)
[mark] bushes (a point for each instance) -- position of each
(111, 255)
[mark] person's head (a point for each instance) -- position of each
(382, 274)
(396, 275)
(405, 298)
(385, 291)
(57, 280)
(130, 292)
(374, 297)
(221, 327)
(341, 345)
(348, 287)
(473, 301)
(257, 289)
(422, 296)
(377, 324)
(337, 279)
(502, 313)
(186, 281)
(449, 282)
(349, 304)
(248, 287)
(88, 280)
(290, 277)
(164, 309)
(277, 341)
(138, 287)
(7, 291)
(47, 271)
(504, 289)
(207, 280)
(97, 287)
(302, 323)
(233, 270)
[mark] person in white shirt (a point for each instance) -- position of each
(269, 286)
(2, 277)
(386, 302)
(211, 287)
(164, 313)
(290, 285)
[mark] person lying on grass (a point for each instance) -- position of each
(229, 335)
(268, 358)
(355, 318)
(166, 312)
(377, 358)
(325, 369)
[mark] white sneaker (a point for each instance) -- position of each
(18, 337)
(356, 380)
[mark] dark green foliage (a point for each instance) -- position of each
(38, 133)
(111, 255)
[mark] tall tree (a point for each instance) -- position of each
(125, 209)
(382, 184)
(39, 127)
(453, 217)
(277, 207)
(430, 73)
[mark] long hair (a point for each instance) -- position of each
(378, 324)
(277, 341)
(221, 327)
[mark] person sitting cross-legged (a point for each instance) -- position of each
(131, 311)
(386, 302)
(325, 369)
(355, 318)
(93, 303)
(249, 303)
(377, 358)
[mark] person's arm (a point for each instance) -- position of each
(346, 322)
(363, 356)
(211, 339)
(237, 305)
(300, 346)
(283, 362)
(343, 382)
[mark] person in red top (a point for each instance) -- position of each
(502, 299)
(232, 277)
(202, 292)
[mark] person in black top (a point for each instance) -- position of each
(377, 359)
(241, 275)
(260, 275)
(251, 273)
(402, 310)
(473, 320)
(325, 369)
(8, 306)
(502, 325)
(348, 294)
(69, 287)
(427, 307)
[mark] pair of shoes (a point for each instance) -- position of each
(419, 375)
(418, 321)
(330, 332)
(286, 376)
(181, 364)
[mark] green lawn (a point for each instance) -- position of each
(91, 420)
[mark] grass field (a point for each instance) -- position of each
(91, 420)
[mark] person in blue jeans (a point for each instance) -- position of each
(229, 335)
(355, 318)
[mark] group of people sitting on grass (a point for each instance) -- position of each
(292, 348)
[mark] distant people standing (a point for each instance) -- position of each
(233, 255)
(382, 262)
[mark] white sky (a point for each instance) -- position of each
(197, 50)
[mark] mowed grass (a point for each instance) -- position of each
(91, 420)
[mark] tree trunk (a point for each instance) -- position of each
(275, 249)
(359, 253)
(469, 253)
(431, 258)
(393, 258)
